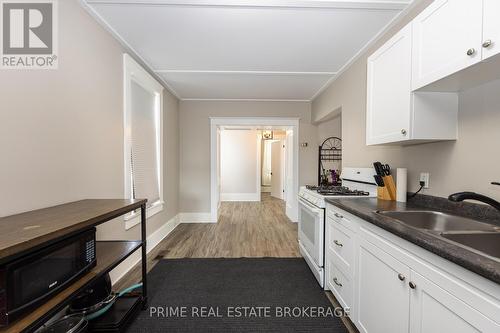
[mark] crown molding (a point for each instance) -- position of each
(306, 4)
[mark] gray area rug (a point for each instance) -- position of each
(235, 295)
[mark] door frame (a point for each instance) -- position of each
(291, 122)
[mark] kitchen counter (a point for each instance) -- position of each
(365, 208)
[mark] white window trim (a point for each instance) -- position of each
(133, 71)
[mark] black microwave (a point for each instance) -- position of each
(31, 279)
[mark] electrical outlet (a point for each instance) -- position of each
(425, 177)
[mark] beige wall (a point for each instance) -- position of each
(470, 163)
(61, 131)
(329, 128)
(238, 158)
(195, 143)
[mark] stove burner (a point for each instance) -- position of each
(332, 190)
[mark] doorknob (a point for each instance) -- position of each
(401, 277)
(412, 285)
(471, 51)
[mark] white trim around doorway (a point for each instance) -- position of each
(292, 210)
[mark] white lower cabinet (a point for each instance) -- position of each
(393, 290)
(341, 285)
(382, 294)
(433, 309)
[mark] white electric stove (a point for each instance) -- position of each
(356, 183)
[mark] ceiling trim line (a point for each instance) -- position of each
(127, 46)
(398, 18)
(244, 100)
(166, 71)
(336, 4)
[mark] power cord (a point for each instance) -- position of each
(422, 184)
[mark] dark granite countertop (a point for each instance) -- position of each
(483, 265)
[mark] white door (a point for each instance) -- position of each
(382, 293)
(389, 90)
(434, 310)
(446, 39)
(491, 28)
(277, 169)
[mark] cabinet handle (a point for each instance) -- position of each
(338, 243)
(471, 51)
(338, 215)
(401, 277)
(403, 131)
(336, 281)
(412, 285)
(487, 43)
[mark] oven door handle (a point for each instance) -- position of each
(310, 206)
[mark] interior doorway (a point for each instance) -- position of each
(254, 155)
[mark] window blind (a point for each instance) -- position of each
(143, 136)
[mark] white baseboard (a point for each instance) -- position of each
(152, 241)
(156, 237)
(240, 196)
(196, 218)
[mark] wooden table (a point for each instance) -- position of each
(23, 233)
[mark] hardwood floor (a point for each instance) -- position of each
(244, 229)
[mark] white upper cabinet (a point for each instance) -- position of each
(447, 38)
(389, 90)
(394, 113)
(491, 28)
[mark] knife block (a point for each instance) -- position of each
(390, 186)
(387, 192)
(383, 193)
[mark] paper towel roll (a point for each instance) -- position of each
(401, 184)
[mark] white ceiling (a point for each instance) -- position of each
(220, 49)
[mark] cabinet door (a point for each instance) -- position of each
(433, 310)
(491, 28)
(446, 39)
(382, 293)
(389, 90)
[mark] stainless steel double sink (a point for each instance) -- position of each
(479, 236)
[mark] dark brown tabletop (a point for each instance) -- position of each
(23, 231)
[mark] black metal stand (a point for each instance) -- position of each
(330, 150)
